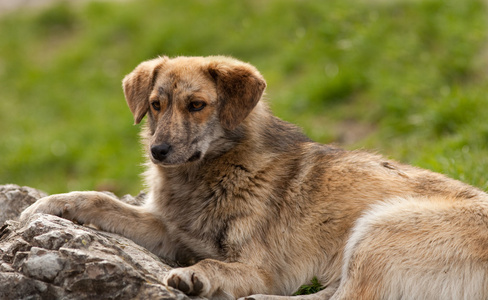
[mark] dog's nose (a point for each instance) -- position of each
(160, 151)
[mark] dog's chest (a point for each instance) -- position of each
(204, 211)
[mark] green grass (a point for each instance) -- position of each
(312, 288)
(410, 74)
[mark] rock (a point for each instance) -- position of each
(14, 199)
(52, 258)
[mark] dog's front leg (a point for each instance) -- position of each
(104, 212)
(220, 280)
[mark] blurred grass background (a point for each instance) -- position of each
(406, 78)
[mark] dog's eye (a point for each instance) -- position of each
(196, 105)
(156, 105)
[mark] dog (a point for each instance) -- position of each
(253, 208)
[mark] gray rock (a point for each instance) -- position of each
(43, 264)
(52, 258)
(14, 199)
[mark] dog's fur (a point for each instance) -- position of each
(255, 207)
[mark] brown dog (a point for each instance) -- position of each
(258, 208)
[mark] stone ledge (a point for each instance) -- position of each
(52, 258)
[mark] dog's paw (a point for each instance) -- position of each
(267, 297)
(188, 281)
(59, 205)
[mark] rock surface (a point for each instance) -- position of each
(14, 199)
(52, 258)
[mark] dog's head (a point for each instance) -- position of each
(191, 103)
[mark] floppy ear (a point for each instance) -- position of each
(239, 88)
(138, 85)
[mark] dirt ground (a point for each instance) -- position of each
(11, 6)
(8, 6)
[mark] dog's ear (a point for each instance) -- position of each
(239, 88)
(138, 85)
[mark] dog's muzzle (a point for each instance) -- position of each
(160, 152)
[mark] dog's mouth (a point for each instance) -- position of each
(196, 156)
(172, 161)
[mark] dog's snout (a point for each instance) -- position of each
(159, 152)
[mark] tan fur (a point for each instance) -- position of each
(255, 207)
